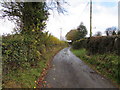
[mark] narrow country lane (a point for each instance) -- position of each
(68, 71)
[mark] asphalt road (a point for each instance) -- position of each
(68, 71)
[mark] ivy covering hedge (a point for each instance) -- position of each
(25, 51)
(102, 44)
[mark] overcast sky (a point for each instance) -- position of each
(105, 14)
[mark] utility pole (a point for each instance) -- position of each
(60, 33)
(90, 18)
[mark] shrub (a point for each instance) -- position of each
(79, 44)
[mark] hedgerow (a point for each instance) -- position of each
(24, 51)
(99, 45)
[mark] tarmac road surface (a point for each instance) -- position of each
(68, 71)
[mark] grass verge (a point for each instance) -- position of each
(106, 64)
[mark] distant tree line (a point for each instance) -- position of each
(110, 31)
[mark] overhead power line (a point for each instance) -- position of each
(85, 7)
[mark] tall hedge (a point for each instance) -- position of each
(25, 51)
(101, 44)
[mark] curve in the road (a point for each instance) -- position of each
(68, 71)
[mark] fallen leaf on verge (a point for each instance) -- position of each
(44, 81)
(44, 69)
(49, 86)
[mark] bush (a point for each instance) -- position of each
(79, 44)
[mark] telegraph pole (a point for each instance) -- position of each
(90, 18)
(60, 33)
